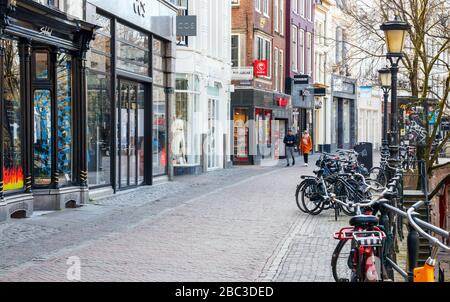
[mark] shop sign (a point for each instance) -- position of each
(152, 15)
(320, 92)
(46, 31)
(282, 102)
(340, 85)
(187, 26)
(301, 79)
(261, 68)
(242, 73)
(139, 8)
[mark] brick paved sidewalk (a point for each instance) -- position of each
(226, 227)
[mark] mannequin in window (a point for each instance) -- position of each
(179, 143)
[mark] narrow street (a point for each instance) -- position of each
(240, 224)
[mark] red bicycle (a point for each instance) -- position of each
(359, 253)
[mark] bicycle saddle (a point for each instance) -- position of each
(363, 220)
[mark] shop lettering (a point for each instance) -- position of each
(46, 31)
(139, 8)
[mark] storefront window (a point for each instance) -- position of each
(346, 121)
(263, 123)
(159, 133)
(99, 106)
(240, 122)
(42, 143)
(41, 61)
(186, 126)
(64, 103)
(334, 120)
(132, 50)
(12, 123)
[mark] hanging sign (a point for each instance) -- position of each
(261, 68)
(282, 102)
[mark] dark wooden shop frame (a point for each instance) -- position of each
(72, 36)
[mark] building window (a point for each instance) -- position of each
(294, 48)
(295, 6)
(281, 64)
(258, 5)
(132, 50)
(301, 6)
(266, 8)
(276, 15)
(182, 11)
(302, 51)
(235, 53)
(281, 7)
(308, 8)
(235, 2)
(275, 66)
(309, 58)
(264, 52)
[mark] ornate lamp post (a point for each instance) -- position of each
(395, 33)
(385, 81)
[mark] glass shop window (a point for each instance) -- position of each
(13, 176)
(41, 60)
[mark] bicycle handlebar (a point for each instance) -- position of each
(422, 232)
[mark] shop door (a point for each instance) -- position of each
(131, 139)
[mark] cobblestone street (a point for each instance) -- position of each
(240, 224)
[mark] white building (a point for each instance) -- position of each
(370, 115)
(202, 92)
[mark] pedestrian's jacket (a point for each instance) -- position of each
(290, 140)
(306, 144)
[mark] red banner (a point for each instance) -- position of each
(261, 68)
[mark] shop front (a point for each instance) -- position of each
(303, 106)
(260, 121)
(42, 53)
(343, 112)
(128, 87)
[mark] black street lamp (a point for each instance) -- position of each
(395, 33)
(385, 81)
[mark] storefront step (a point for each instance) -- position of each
(59, 199)
(100, 193)
(20, 205)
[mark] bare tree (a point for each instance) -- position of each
(425, 56)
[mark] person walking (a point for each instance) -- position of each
(306, 146)
(290, 141)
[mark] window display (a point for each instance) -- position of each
(64, 103)
(159, 133)
(346, 122)
(186, 123)
(263, 123)
(13, 176)
(42, 142)
(99, 136)
(241, 134)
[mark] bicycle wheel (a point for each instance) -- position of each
(300, 188)
(312, 198)
(378, 175)
(341, 262)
